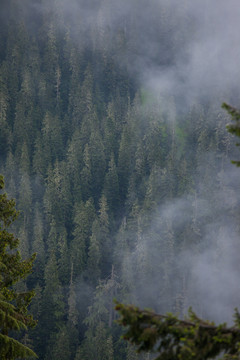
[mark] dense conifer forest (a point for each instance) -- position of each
(125, 188)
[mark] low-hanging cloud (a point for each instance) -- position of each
(187, 49)
(208, 63)
(197, 58)
(203, 272)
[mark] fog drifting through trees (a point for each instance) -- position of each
(113, 142)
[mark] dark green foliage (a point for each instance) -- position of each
(111, 186)
(94, 161)
(172, 338)
(233, 128)
(52, 304)
(83, 221)
(13, 304)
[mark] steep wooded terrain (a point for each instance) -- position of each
(121, 189)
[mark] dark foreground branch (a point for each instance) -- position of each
(172, 338)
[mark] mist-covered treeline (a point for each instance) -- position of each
(113, 142)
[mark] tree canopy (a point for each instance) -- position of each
(13, 303)
(172, 338)
(108, 170)
(233, 128)
(188, 339)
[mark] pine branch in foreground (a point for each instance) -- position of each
(172, 338)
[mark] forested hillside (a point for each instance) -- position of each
(125, 186)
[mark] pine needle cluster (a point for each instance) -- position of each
(13, 304)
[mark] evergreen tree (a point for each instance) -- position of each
(124, 161)
(98, 157)
(38, 245)
(233, 128)
(13, 304)
(52, 139)
(5, 137)
(74, 165)
(111, 186)
(52, 305)
(57, 199)
(51, 67)
(192, 338)
(94, 255)
(59, 345)
(72, 302)
(11, 174)
(25, 199)
(41, 158)
(111, 131)
(74, 105)
(86, 174)
(63, 256)
(24, 126)
(83, 220)
(98, 164)
(174, 338)
(86, 99)
(104, 237)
